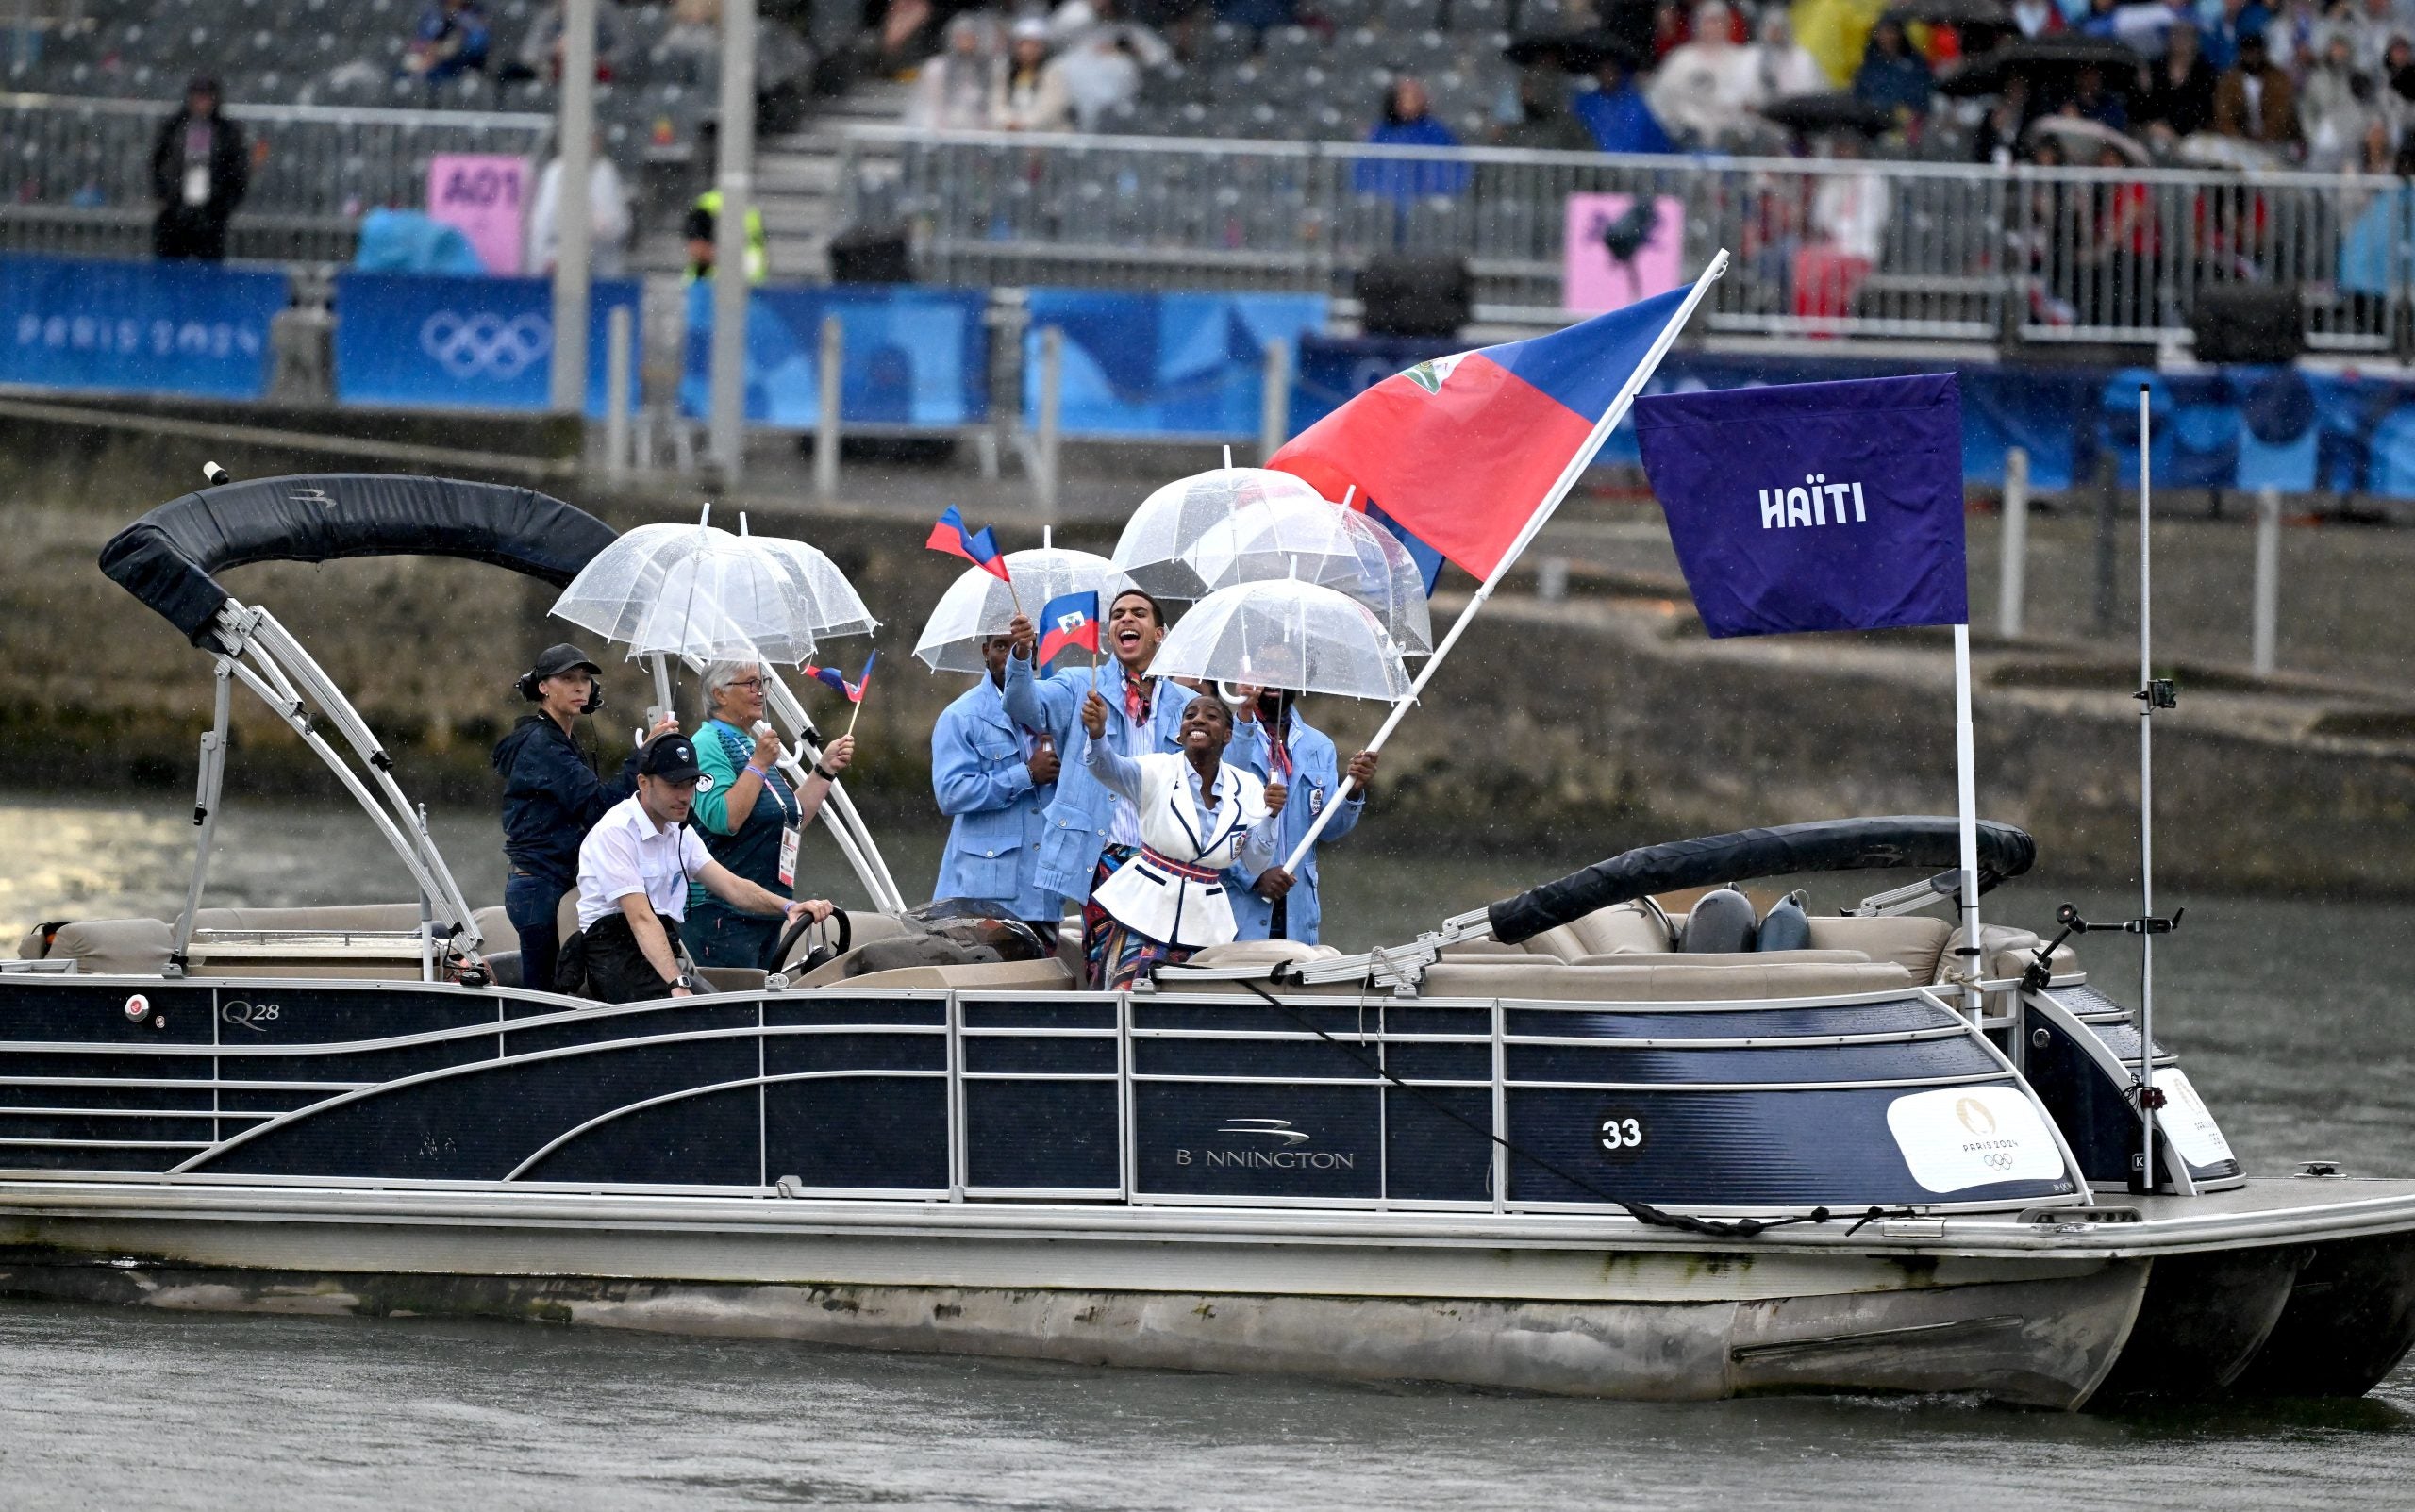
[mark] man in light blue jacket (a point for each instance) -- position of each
(1088, 831)
(994, 778)
(1273, 742)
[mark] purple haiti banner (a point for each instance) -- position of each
(1814, 505)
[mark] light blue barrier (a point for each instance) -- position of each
(1162, 365)
(137, 327)
(445, 341)
(914, 358)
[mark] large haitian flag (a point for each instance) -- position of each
(1814, 505)
(1461, 451)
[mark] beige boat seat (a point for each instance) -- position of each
(316, 946)
(1621, 929)
(1663, 981)
(1048, 975)
(1914, 941)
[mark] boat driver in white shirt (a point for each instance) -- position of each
(634, 869)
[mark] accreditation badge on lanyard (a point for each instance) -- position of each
(788, 855)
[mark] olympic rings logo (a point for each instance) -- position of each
(485, 345)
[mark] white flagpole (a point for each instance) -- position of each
(1568, 476)
(2146, 816)
(1966, 797)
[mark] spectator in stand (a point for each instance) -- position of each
(1704, 89)
(2372, 30)
(450, 41)
(540, 51)
(1782, 67)
(2222, 24)
(2254, 101)
(609, 222)
(2098, 20)
(2289, 40)
(1405, 121)
(1892, 76)
(1256, 15)
(2091, 100)
(2117, 278)
(1998, 138)
(1615, 113)
(2336, 106)
(957, 90)
(1097, 74)
(2377, 256)
(1544, 121)
(2037, 18)
(1848, 224)
(200, 167)
(1077, 19)
(1030, 95)
(2175, 95)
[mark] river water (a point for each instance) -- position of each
(2290, 1014)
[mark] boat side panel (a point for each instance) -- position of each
(2350, 1319)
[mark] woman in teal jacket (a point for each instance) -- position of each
(752, 821)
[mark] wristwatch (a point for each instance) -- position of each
(824, 772)
(689, 980)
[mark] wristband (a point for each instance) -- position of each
(760, 771)
(824, 772)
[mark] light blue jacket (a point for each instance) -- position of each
(1076, 822)
(1316, 776)
(980, 779)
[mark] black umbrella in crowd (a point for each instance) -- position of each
(1830, 110)
(1577, 51)
(2037, 58)
(1953, 12)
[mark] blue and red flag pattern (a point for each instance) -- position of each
(1461, 451)
(1814, 505)
(979, 547)
(832, 678)
(1067, 621)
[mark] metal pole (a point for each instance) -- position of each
(2146, 814)
(1532, 528)
(1051, 405)
(618, 339)
(1967, 809)
(574, 148)
(1274, 407)
(209, 788)
(2268, 580)
(731, 277)
(825, 434)
(2012, 570)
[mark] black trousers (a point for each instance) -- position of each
(617, 970)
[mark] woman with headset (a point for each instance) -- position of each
(551, 797)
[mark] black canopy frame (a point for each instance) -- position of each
(169, 558)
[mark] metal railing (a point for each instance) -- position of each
(76, 172)
(1823, 248)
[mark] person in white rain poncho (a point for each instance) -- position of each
(1198, 815)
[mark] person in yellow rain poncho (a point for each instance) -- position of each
(1835, 32)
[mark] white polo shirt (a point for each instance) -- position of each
(625, 854)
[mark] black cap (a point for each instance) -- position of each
(555, 661)
(671, 757)
(202, 84)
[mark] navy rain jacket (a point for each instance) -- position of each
(552, 798)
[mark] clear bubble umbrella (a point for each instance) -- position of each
(1319, 542)
(1288, 634)
(1153, 551)
(837, 608)
(978, 605)
(693, 591)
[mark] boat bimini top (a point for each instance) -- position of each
(169, 560)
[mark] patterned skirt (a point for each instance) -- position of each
(1118, 957)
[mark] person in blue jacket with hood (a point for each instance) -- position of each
(994, 778)
(552, 797)
(1088, 831)
(1275, 743)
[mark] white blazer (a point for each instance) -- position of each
(1182, 905)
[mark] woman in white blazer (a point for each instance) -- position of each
(1198, 816)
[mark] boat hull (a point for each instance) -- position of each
(1637, 1327)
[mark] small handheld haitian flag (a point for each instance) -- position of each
(1814, 505)
(1067, 619)
(978, 547)
(832, 678)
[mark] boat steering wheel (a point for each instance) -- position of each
(820, 954)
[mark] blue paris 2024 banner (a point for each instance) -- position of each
(1814, 505)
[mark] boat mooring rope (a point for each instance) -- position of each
(1642, 1212)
